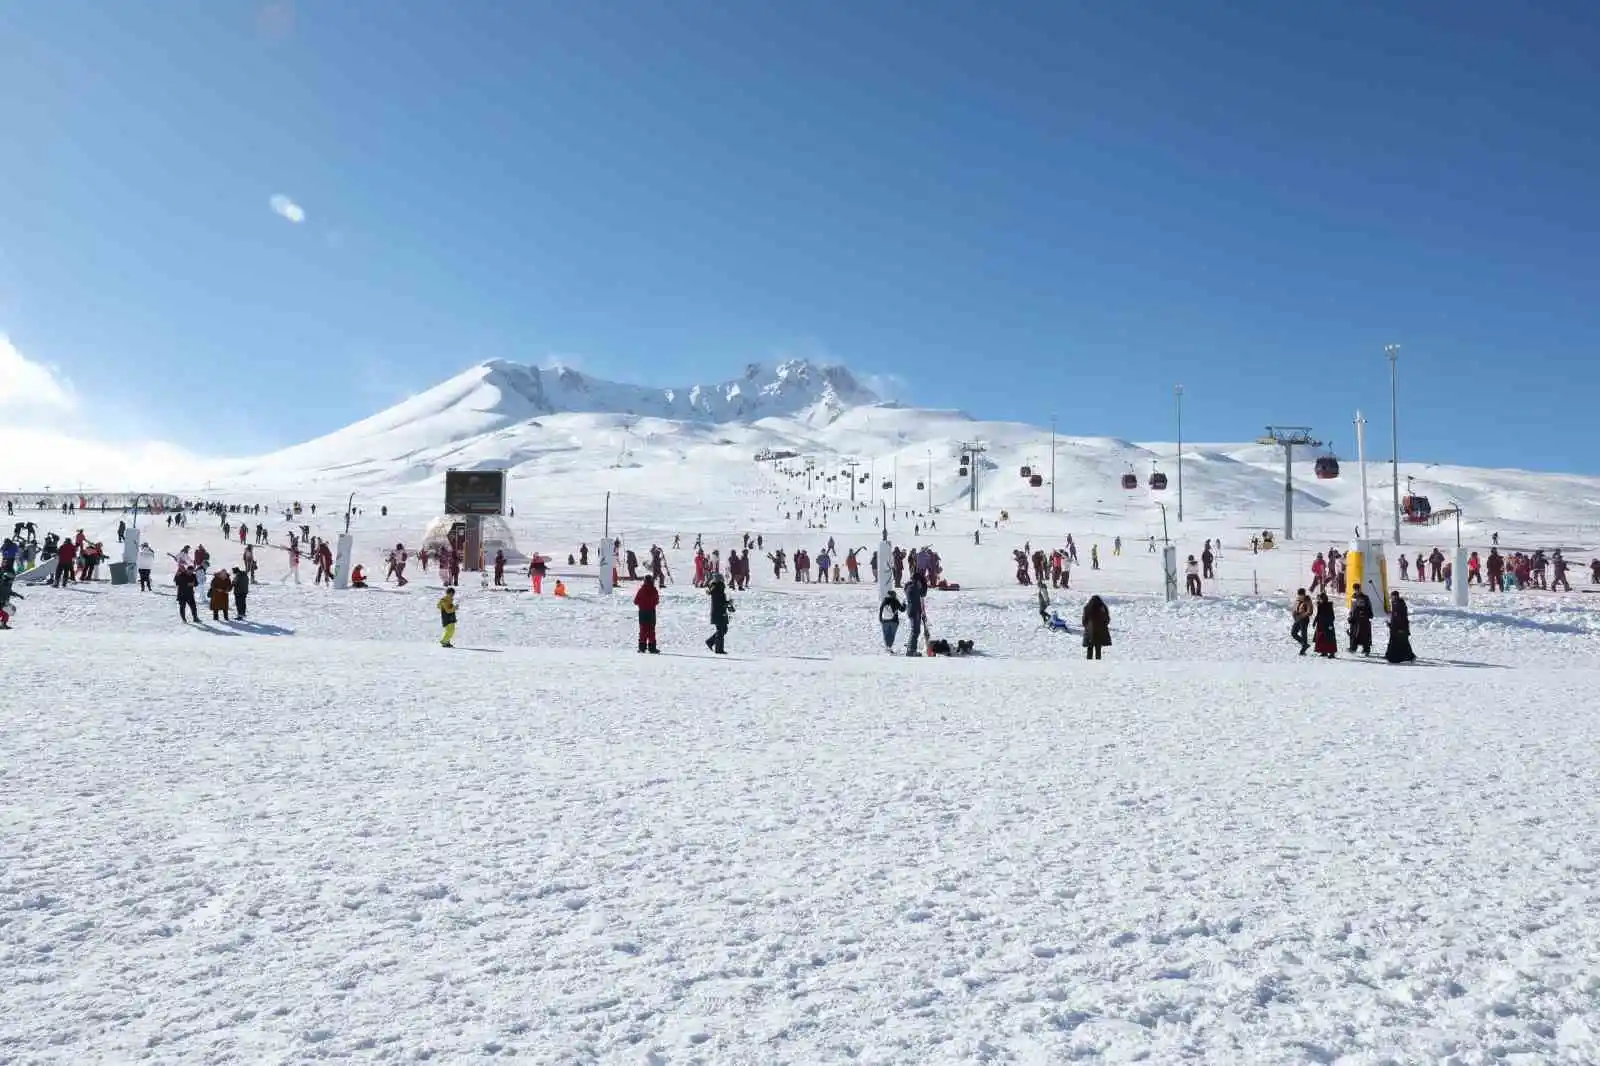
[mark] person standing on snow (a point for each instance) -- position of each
(1327, 642)
(1560, 566)
(916, 603)
(720, 609)
(447, 617)
(1302, 612)
(241, 591)
(499, 567)
(1399, 649)
(647, 599)
(147, 561)
(889, 612)
(221, 585)
(1096, 627)
(1360, 622)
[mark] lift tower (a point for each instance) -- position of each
(1288, 438)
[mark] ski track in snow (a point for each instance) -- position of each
(318, 836)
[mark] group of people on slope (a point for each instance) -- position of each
(1315, 626)
(647, 600)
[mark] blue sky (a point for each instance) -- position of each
(1022, 210)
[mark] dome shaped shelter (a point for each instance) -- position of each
(496, 531)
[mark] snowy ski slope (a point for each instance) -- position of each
(316, 835)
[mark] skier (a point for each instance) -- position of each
(1327, 643)
(889, 612)
(647, 599)
(916, 600)
(1096, 627)
(1399, 650)
(1360, 622)
(1302, 612)
(447, 617)
(720, 609)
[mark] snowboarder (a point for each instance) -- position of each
(1399, 649)
(647, 599)
(1096, 627)
(447, 617)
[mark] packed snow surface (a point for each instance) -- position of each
(314, 834)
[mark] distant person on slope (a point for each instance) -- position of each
(447, 617)
(647, 599)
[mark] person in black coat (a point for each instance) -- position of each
(1399, 650)
(241, 590)
(1096, 627)
(720, 609)
(187, 582)
(1327, 641)
(1360, 622)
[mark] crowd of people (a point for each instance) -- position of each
(1315, 627)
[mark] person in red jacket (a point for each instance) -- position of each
(647, 599)
(64, 558)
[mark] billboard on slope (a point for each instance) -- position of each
(475, 492)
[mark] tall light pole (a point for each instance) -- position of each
(1393, 352)
(1052, 464)
(1177, 392)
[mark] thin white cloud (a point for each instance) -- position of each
(30, 390)
(287, 208)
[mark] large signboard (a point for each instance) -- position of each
(475, 492)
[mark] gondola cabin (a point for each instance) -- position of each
(1158, 481)
(1037, 480)
(1327, 468)
(1416, 508)
(920, 486)
(888, 484)
(1130, 481)
(1027, 471)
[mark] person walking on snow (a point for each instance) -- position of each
(1327, 641)
(447, 617)
(720, 609)
(647, 599)
(1559, 564)
(1096, 627)
(889, 612)
(1360, 622)
(1302, 612)
(1399, 649)
(1192, 576)
(187, 582)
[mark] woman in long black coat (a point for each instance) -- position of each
(1096, 627)
(1399, 650)
(1326, 641)
(1360, 622)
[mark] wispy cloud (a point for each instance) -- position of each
(562, 361)
(31, 390)
(287, 208)
(890, 387)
